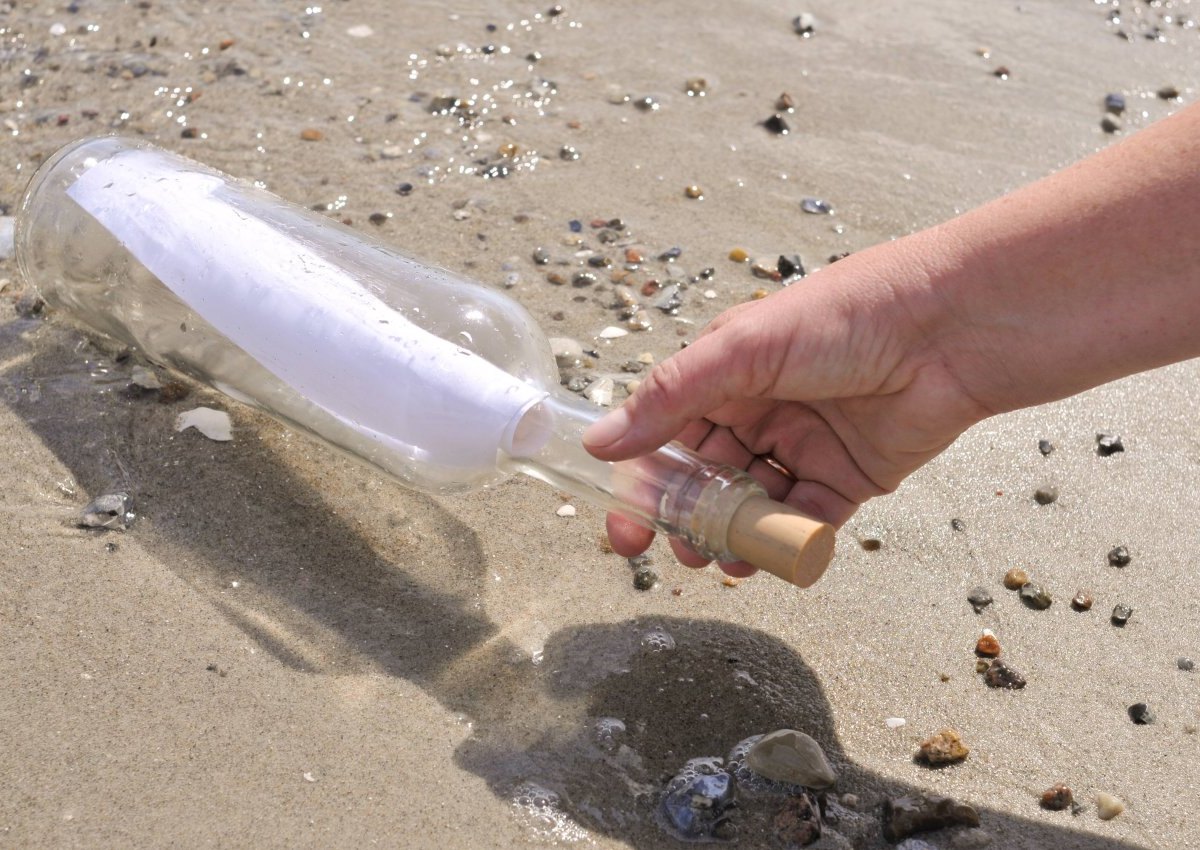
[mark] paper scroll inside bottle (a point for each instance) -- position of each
(311, 325)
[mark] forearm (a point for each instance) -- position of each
(1085, 276)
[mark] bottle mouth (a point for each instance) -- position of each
(26, 213)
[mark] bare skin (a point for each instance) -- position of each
(832, 391)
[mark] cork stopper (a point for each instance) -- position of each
(781, 540)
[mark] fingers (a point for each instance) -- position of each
(627, 537)
(678, 391)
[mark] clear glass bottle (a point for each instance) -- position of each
(440, 382)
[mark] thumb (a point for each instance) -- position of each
(679, 390)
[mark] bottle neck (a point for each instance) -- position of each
(672, 490)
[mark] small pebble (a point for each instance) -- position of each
(566, 511)
(1045, 447)
(759, 294)
(1185, 664)
(541, 256)
(1108, 444)
(777, 125)
(790, 266)
(790, 756)
(647, 104)
(582, 279)
(785, 102)
(1108, 806)
(1016, 578)
(695, 86)
(1036, 596)
(1110, 124)
(1082, 601)
(1121, 614)
(1168, 93)
(987, 646)
(850, 801)
(816, 206)
(612, 332)
(1057, 798)
(645, 579)
(958, 525)
(569, 153)
(575, 225)
(1119, 557)
(1141, 714)
(404, 189)
(694, 192)
(1001, 675)
(804, 24)
(739, 255)
(894, 722)
(946, 747)
(730, 581)
(1047, 495)
(1114, 103)
(311, 134)
(1001, 73)
(979, 598)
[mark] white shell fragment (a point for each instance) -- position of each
(360, 31)
(566, 510)
(613, 332)
(213, 424)
(145, 378)
(894, 722)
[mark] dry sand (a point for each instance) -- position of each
(287, 650)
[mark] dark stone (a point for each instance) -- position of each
(599, 261)
(581, 279)
(777, 125)
(905, 816)
(671, 254)
(698, 799)
(1108, 444)
(1082, 601)
(1045, 447)
(979, 598)
(1035, 596)
(646, 104)
(576, 225)
(841, 255)
(568, 153)
(1187, 665)
(112, 510)
(1121, 614)
(1047, 495)
(404, 189)
(816, 206)
(645, 578)
(790, 266)
(1114, 103)
(1001, 675)
(804, 24)
(1168, 93)
(444, 105)
(378, 218)
(958, 525)
(189, 133)
(1119, 557)
(1141, 714)
(798, 823)
(1110, 124)
(541, 256)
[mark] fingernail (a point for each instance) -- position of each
(608, 430)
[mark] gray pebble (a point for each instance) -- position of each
(1045, 447)
(979, 598)
(112, 510)
(1141, 714)
(1121, 614)
(1119, 557)
(1047, 495)
(1185, 664)
(1035, 596)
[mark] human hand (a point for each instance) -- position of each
(828, 392)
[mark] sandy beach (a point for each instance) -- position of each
(286, 649)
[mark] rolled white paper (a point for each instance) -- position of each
(306, 321)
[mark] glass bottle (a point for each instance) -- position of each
(440, 382)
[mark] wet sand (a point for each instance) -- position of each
(288, 650)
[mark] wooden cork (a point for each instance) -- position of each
(781, 540)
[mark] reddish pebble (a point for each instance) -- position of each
(311, 134)
(1057, 798)
(650, 287)
(987, 646)
(633, 255)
